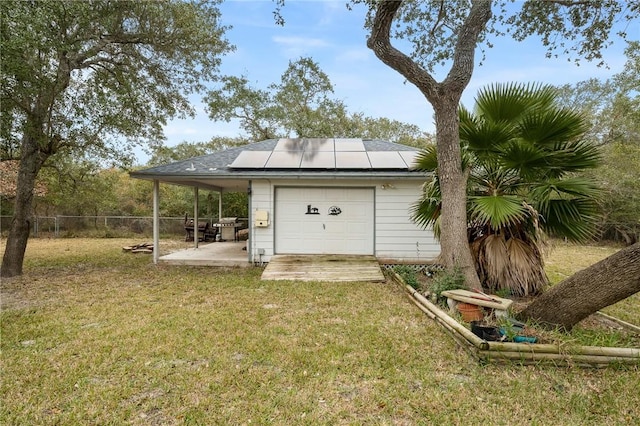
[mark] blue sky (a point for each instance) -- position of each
(334, 37)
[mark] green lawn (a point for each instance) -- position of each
(91, 335)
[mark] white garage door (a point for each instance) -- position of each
(324, 221)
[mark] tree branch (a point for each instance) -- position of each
(464, 56)
(440, 16)
(569, 3)
(379, 42)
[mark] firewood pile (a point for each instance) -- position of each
(139, 248)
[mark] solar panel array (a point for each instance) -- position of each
(323, 154)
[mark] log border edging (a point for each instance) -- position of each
(522, 353)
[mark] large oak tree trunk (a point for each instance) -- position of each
(31, 161)
(444, 97)
(455, 250)
(38, 144)
(584, 293)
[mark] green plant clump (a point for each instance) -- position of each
(408, 274)
(447, 280)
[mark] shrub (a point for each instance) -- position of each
(447, 280)
(408, 274)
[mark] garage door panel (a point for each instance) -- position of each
(357, 228)
(350, 232)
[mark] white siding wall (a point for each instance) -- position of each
(261, 238)
(397, 237)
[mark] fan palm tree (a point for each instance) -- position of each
(522, 154)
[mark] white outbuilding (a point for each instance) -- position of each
(316, 196)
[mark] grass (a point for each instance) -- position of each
(91, 335)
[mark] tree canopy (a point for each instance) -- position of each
(103, 75)
(93, 80)
(301, 105)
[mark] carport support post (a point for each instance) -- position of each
(156, 221)
(195, 217)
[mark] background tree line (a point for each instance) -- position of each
(612, 109)
(84, 187)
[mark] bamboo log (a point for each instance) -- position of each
(568, 350)
(625, 324)
(534, 356)
(444, 317)
(435, 318)
(464, 344)
(461, 341)
(559, 363)
(524, 353)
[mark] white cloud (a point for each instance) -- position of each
(300, 42)
(295, 46)
(355, 54)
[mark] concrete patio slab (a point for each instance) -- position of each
(229, 254)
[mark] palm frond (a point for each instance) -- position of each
(498, 211)
(547, 127)
(562, 188)
(571, 156)
(490, 178)
(426, 211)
(486, 137)
(526, 268)
(466, 116)
(523, 157)
(509, 101)
(573, 218)
(511, 264)
(427, 159)
(495, 260)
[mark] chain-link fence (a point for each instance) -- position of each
(99, 226)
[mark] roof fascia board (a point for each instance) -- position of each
(329, 176)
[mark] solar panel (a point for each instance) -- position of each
(352, 160)
(323, 153)
(284, 160)
(318, 160)
(386, 160)
(251, 159)
(409, 158)
(349, 145)
(318, 144)
(287, 144)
